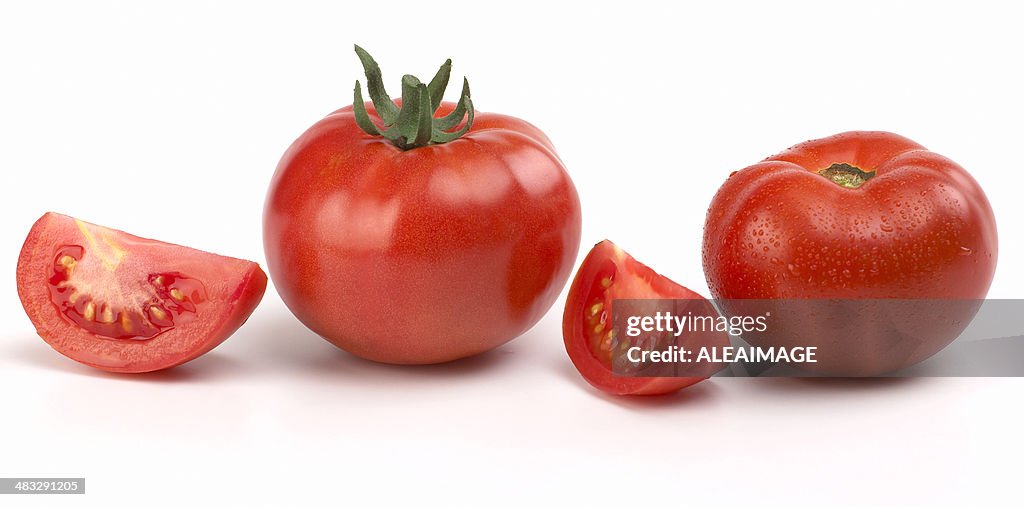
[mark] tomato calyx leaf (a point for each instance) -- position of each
(412, 124)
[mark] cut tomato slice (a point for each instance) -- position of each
(127, 304)
(608, 273)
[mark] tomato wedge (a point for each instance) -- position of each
(608, 273)
(126, 304)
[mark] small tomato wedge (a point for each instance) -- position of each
(126, 304)
(608, 273)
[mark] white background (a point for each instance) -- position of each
(168, 121)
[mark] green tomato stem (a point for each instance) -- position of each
(412, 125)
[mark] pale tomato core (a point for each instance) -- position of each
(86, 292)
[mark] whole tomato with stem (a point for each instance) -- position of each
(418, 231)
(855, 216)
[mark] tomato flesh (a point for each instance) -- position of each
(609, 273)
(128, 304)
(169, 298)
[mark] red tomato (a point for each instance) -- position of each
(127, 304)
(424, 254)
(608, 273)
(859, 215)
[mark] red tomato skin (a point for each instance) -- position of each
(921, 228)
(426, 255)
(235, 287)
(575, 335)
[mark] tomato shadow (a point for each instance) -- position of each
(701, 395)
(282, 340)
(209, 367)
(833, 385)
(276, 340)
(341, 362)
